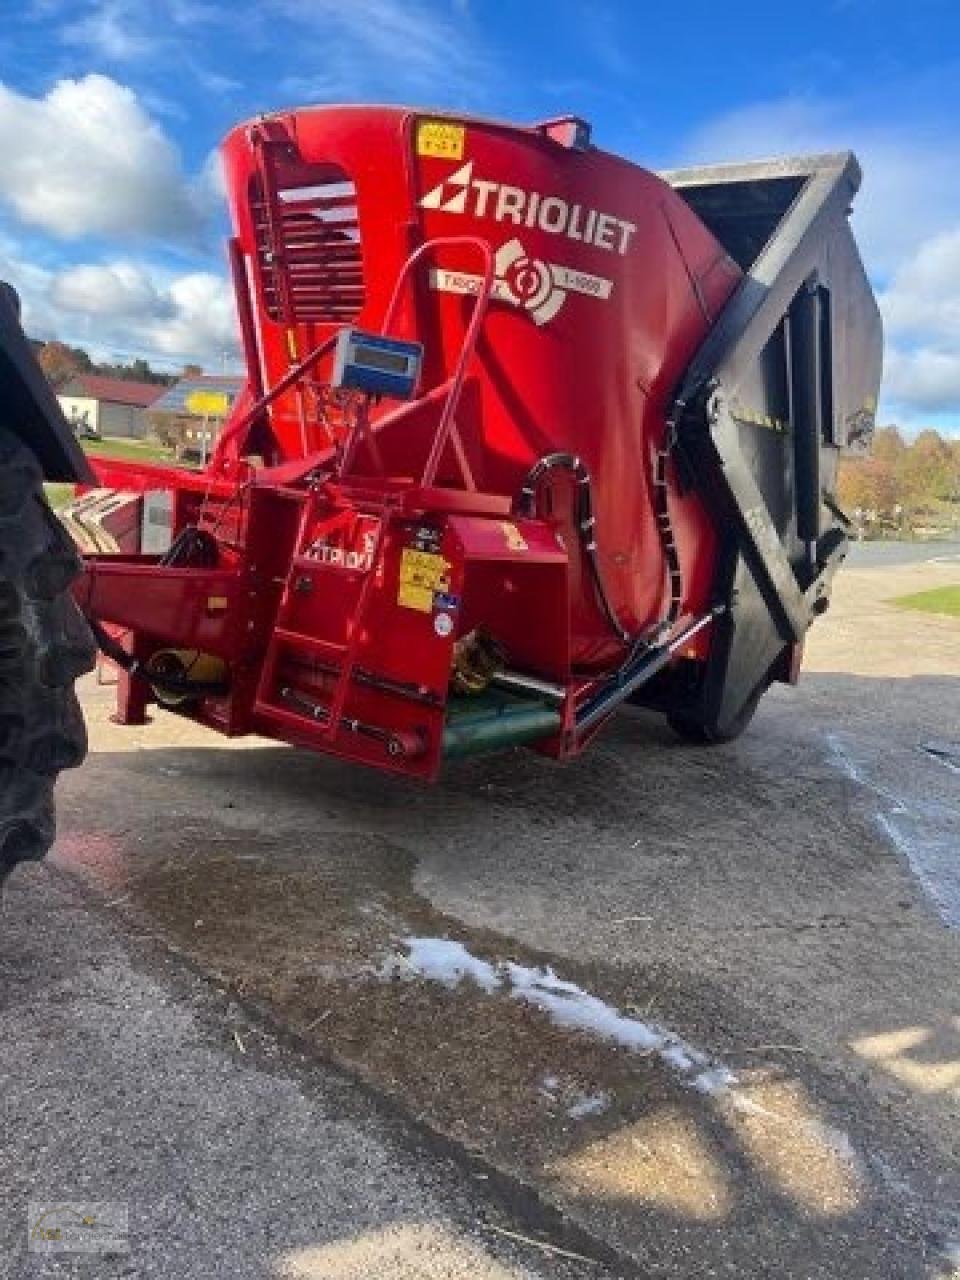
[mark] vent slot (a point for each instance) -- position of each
(309, 254)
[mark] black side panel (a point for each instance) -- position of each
(786, 378)
(28, 406)
(745, 649)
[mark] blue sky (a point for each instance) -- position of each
(110, 216)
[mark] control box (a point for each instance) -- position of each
(377, 364)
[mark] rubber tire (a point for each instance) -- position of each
(45, 644)
(704, 735)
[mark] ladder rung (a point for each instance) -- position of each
(301, 640)
(310, 563)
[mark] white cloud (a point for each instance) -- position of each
(923, 383)
(374, 45)
(191, 13)
(119, 291)
(923, 298)
(32, 283)
(921, 310)
(203, 319)
(214, 82)
(109, 30)
(87, 160)
(127, 30)
(121, 309)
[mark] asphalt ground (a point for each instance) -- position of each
(129, 1080)
(700, 1002)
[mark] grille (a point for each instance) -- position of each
(309, 253)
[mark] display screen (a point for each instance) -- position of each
(376, 358)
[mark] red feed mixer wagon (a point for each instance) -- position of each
(528, 431)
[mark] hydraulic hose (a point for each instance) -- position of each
(586, 525)
(171, 684)
(668, 542)
(191, 546)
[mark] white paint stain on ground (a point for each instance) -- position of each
(588, 1104)
(565, 1004)
(579, 1104)
(569, 1006)
(451, 964)
(925, 831)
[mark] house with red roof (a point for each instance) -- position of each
(109, 407)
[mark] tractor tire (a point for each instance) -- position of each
(45, 645)
(691, 730)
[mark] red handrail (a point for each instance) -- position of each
(454, 383)
(469, 342)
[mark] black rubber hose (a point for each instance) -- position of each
(134, 667)
(191, 546)
(668, 543)
(586, 525)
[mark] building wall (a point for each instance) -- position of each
(110, 419)
(81, 407)
(122, 420)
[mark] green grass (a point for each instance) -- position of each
(128, 450)
(939, 600)
(58, 495)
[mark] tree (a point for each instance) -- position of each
(61, 363)
(869, 484)
(888, 445)
(926, 469)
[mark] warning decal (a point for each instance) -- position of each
(421, 575)
(515, 539)
(440, 138)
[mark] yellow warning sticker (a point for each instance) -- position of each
(421, 574)
(440, 138)
(515, 539)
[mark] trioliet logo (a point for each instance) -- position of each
(461, 192)
(540, 288)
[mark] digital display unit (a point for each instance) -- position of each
(373, 358)
(377, 364)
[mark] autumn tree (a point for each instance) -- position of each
(925, 470)
(868, 484)
(888, 445)
(60, 363)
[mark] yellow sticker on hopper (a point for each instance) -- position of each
(421, 574)
(515, 539)
(440, 138)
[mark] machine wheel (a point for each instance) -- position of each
(44, 646)
(692, 730)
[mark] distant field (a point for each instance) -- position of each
(939, 600)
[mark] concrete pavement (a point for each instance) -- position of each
(702, 1001)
